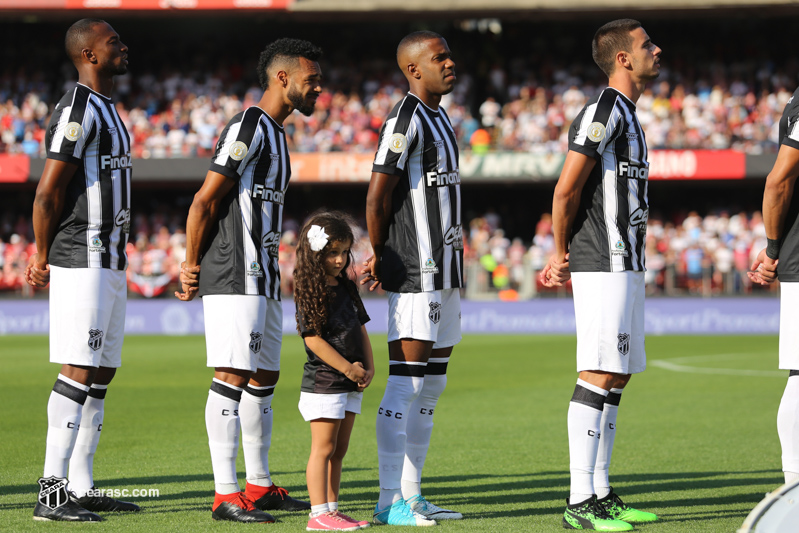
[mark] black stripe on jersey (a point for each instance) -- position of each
(80, 101)
(455, 267)
(433, 207)
(643, 186)
(259, 176)
(622, 152)
(414, 371)
(105, 146)
(123, 197)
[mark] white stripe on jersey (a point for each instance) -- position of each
(251, 253)
(419, 199)
(116, 177)
(443, 195)
(94, 199)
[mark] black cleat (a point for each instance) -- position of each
(278, 499)
(69, 511)
(103, 504)
(234, 513)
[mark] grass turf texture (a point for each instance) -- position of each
(697, 447)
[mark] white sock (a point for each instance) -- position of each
(333, 506)
(584, 418)
(255, 412)
(222, 423)
(63, 422)
(81, 466)
(420, 428)
(317, 510)
(608, 429)
(404, 385)
(788, 427)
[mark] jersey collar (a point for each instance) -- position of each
(623, 95)
(104, 97)
(436, 111)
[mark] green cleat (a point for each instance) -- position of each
(619, 510)
(589, 515)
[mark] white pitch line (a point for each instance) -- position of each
(670, 364)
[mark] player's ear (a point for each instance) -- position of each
(89, 55)
(413, 71)
(623, 59)
(282, 77)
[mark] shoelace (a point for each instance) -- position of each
(280, 490)
(243, 501)
(335, 516)
(344, 517)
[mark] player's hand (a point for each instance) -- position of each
(37, 273)
(356, 372)
(371, 272)
(367, 380)
(189, 282)
(556, 272)
(764, 269)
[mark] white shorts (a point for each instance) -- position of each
(243, 331)
(87, 316)
(789, 332)
(314, 406)
(425, 316)
(609, 311)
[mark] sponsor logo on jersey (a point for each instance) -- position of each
(629, 170)
(439, 144)
(596, 131)
(430, 267)
(238, 151)
(112, 130)
(95, 339)
(123, 219)
(255, 270)
(267, 195)
(454, 237)
(624, 343)
(443, 179)
(639, 218)
(397, 143)
(73, 131)
(271, 242)
(96, 246)
(255, 341)
(619, 249)
(115, 162)
(632, 136)
(435, 312)
(53, 491)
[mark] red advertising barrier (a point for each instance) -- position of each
(14, 168)
(696, 165)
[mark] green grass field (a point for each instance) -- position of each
(697, 441)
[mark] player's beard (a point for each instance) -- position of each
(298, 101)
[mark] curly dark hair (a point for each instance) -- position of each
(311, 293)
(287, 50)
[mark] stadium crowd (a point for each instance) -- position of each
(699, 255)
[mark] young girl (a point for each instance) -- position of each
(330, 319)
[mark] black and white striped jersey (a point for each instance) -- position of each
(788, 267)
(609, 231)
(86, 130)
(242, 254)
(424, 250)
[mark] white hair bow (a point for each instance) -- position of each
(317, 237)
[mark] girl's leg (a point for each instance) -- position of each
(337, 457)
(324, 434)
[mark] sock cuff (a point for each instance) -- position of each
(414, 370)
(614, 397)
(588, 396)
(793, 373)
(259, 392)
(226, 390)
(76, 384)
(437, 366)
(75, 393)
(595, 388)
(98, 391)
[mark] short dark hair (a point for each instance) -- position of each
(285, 50)
(415, 38)
(609, 40)
(78, 36)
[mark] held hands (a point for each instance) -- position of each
(357, 373)
(556, 272)
(371, 272)
(189, 282)
(764, 269)
(37, 273)
(367, 380)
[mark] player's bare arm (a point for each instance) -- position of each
(47, 207)
(202, 216)
(378, 216)
(776, 201)
(565, 203)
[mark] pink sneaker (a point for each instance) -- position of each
(330, 522)
(363, 524)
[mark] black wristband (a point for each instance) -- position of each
(773, 248)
